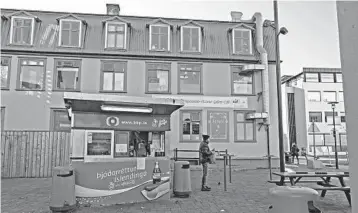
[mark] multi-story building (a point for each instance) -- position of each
(223, 70)
(308, 112)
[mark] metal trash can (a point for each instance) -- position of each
(292, 199)
(288, 157)
(63, 197)
(182, 179)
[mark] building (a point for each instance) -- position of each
(347, 26)
(223, 70)
(309, 93)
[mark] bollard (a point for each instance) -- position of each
(225, 173)
(230, 167)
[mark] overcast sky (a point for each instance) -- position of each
(312, 40)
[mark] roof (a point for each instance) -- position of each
(321, 69)
(216, 38)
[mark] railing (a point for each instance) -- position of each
(176, 151)
(326, 139)
(33, 154)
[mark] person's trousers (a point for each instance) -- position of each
(293, 159)
(205, 174)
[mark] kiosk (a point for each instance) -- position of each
(119, 149)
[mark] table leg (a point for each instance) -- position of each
(298, 179)
(292, 181)
(348, 194)
(325, 191)
(282, 181)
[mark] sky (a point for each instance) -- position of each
(312, 39)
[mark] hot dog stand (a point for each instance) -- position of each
(119, 147)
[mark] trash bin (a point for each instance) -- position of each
(292, 199)
(63, 197)
(182, 179)
(288, 157)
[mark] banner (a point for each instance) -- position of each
(122, 122)
(209, 101)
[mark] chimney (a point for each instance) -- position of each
(113, 9)
(236, 16)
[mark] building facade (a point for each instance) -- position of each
(309, 94)
(223, 70)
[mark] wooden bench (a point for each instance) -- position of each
(333, 188)
(278, 182)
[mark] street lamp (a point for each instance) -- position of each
(278, 31)
(333, 105)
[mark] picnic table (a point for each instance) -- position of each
(324, 185)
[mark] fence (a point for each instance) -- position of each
(326, 139)
(32, 153)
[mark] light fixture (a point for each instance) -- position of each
(126, 109)
(333, 104)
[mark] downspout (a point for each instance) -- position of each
(265, 81)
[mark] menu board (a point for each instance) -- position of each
(121, 140)
(218, 126)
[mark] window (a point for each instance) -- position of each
(67, 74)
(329, 118)
(312, 77)
(190, 78)
(113, 76)
(244, 129)
(315, 117)
(241, 84)
(99, 143)
(327, 77)
(343, 117)
(60, 121)
(340, 96)
(242, 43)
(116, 35)
(158, 78)
(190, 39)
(329, 96)
(5, 72)
(2, 118)
(314, 96)
(31, 75)
(339, 78)
(191, 125)
(70, 33)
(159, 38)
(218, 126)
(22, 30)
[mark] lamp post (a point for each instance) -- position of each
(282, 31)
(333, 105)
(314, 137)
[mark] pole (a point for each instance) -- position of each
(230, 168)
(268, 150)
(314, 140)
(278, 85)
(335, 138)
(225, 158)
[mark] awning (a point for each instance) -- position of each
(88, 102)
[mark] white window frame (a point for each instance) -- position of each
(326, 92)
(99, 156)
(311, 100)
(182, 38)
(12, 28)
(233, 40)
(60, 33)
(125, 33)
(150, 35)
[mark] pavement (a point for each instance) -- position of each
(248, 193)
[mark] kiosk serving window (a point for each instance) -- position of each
(99, 143)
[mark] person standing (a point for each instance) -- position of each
(294, 151)
(204, 158)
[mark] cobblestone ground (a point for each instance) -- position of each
(248, 193)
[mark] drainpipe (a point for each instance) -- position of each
(265, 81)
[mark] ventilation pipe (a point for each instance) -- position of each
(265, 81)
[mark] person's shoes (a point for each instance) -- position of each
(207, 187)
(204, 189)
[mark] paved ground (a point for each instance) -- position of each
(248, 193)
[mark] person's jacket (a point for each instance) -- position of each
(204, 152)
(295, 150)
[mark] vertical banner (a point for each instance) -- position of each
(218, 126)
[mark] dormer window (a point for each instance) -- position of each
(116, 35)
(70, 33)
(22, 30)
(190, 34)
(116, 31)
(71, 30)
(159, 38)
(242, 41)
(159, 35)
